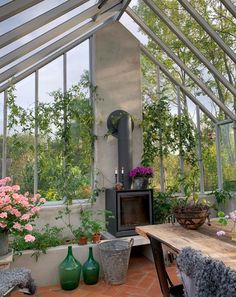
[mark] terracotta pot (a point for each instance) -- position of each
(83, 240)
(96, 238)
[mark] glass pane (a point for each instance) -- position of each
(20, 140)
(77, 63)
(208, 153)
(1, 130)
(65, 140)
(228, 157)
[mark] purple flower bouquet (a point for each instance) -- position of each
(141, 172)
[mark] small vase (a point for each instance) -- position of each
(4, 244)
(140, 183)
(90, 269)
(69, 271)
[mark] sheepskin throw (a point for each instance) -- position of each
(16, 277)
(210, 277)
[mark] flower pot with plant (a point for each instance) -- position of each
(81, 235)
(190, 211)
(94, 221)
(17, 212)
(140, 176)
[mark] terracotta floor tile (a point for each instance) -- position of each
(146, 282)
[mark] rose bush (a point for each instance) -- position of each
(17, 211)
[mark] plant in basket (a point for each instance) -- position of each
(190, 211)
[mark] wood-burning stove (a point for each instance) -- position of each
(130, 208)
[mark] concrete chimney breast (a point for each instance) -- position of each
(117, 76)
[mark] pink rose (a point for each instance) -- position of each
(25, 217)
(3, 225)
(42, 200)
(35, 209)
(7, 208)
(6, 199)
(15, 212)
(28, 227)
(24, 203)
(3, 215)
(15, 188)
(29, 238)
(17, 226)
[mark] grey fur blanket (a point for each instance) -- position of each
(210, 277)
(20, 277)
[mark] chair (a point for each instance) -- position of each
(204, 276)
(167, 287)
(16, 278)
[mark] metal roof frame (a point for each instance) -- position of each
(56, 31)
(12, 8)
(230, 6)
(177, 83)
(190, 45)
(39, 21)
(179, 62)
(208, 29)
(23, 65)
(99, 15)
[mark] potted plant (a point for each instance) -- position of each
(140, 176)
(94, 221)
(97, 227)
(190, 211)
(81, 235)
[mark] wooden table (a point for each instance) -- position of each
(176, 237)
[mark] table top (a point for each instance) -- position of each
(203, 239)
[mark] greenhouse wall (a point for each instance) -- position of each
(118, 80)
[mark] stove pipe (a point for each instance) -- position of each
(120, 125)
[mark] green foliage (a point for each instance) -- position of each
(221, 197)
(165, 133)
(222, 218)
(65, 143)
(91, 221)
(47, 237)
(184, 137)
(156, 129)
(163, 202)
(223, 23)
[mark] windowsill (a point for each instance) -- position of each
(61, 203)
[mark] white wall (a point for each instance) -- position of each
(118, 81)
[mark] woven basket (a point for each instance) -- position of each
(191, 219)
(114, 255)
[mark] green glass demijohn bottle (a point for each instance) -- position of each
(69, 271)
(90, 269)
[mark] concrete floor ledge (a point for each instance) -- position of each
(45, 270)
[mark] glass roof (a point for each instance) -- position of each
(37, 31)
